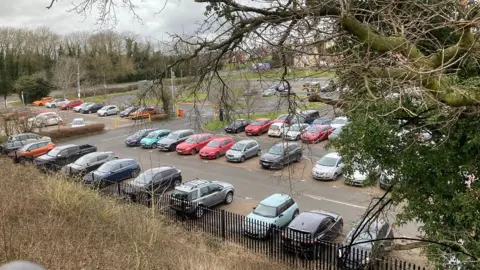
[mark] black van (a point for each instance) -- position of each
(310, 116)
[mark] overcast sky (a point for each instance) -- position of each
(178, 16)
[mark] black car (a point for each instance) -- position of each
(134, 140)
(310, 115)
(62, 155)
(92, 108)
(10, 146)
(309, 229)
(280, 155)
(237, 126)
(128, 111)
(173, 139)
(87, 163)
(153, 181)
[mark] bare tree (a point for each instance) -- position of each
(64, 73)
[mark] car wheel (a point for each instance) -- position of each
(199, 211)
(217, 155)
(228, 198)
(242, 159)
(299, 158)
(135, 172)
(194, 151)
(40, 104)
(53, 106)
(297, 138)
(259, 152)
(105, 114)
(22, 160)
(172, 148)
(295, 214)
(335, 176)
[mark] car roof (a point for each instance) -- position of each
(65, 146)
(286, 144)
(159, 169)
(79, 119)
(203, 134)
(333, 155)
(222, 138)
(278, 124)
(307, 221)
(262, 119)
(182, 131)
(275, 199)
(190, 185)
(247, 141)
(309, 111)
(115, 161)
(94, 154)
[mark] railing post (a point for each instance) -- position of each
(118, 189)
(183, 206)
(223, 223)
(272, 239)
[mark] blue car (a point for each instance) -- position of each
(153, 137)
(112, 172)
(271, 214)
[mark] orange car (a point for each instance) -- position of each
(30, 151)
(42, 101)
(144, 113)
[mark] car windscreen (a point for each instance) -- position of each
(139, 133)
(193, 139)
(237, 123)
(144, 178)
(83, 161)
(339, 121)
(276, 150)
(172, 136)
(54, 152)
(238, 147)
(214, 144)
(283, 117)
(313, 130)
(106, 167)
(265, 211)
(274, 127)
(78, 122)
(327, 161)
(152, 135)
(257, 123)
(294, 128)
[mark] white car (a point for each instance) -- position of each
(329, 167)
(339, 122)
(78, 122)
(358, 177)
(48, 120)
(81, 106)
(108, 110)
(56, 103)
(294, 131)
(277, 129)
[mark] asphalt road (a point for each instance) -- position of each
(252, 183)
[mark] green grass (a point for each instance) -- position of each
(191, 97)
(278, 74)
(103, 98)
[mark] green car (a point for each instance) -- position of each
(153, 137)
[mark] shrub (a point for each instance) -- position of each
(63, 133)
(159, 117)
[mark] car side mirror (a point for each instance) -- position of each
(281, 215)
(254, 208)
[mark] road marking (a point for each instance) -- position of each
(336, 187)
(206, 161)
(333, 201)
(151, 151)
(303, 180)
(248, 198)
(114, 138)
(167, 154)
(249, 170)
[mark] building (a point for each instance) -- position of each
(310, 56)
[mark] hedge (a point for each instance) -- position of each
(64, 133)
(159, 117)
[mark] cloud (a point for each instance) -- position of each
(157, 17)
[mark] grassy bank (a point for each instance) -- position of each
(63, 225)
(277, 74)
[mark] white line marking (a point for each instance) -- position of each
(114, 138)
(335, 187)
(206, 161)
(167, 154)
(333, 201)
(303, 180)
(150, 151)
(248, 198)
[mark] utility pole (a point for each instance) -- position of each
(78, 79)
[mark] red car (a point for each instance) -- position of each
(217, 147)
(317, 133)
(69, 105)
(193, 144)
(258, 127)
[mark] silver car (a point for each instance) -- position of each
(108, 110)
(243, 150)
(28, 137)
(329, 167)
(49, 120)
(293, 132)
(80, 107)
(56, 103)
(360, 175)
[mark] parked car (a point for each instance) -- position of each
(50, 120)
(143, 113)
(360, 175)
(78, 122)
(335, 133)
(56, 103)
(243, 150)
(194, 143)
(258, 127)
(150, 141)
(238, 125)
(329, 167)
(315, 134)
(92, 108)
(368, 240)
(339, 122)
(31, 150)
(193, 196)
(135, 139)
(30, 137)
(274, 212)
(277, 129)
(128, 111)
(71, 104)
(173, 139)
(309, 230)
(153, 181)
(88, 163)
(284, 118)
(294, 132)
(217, 147)
(251, 92)
(80, 107)
(10, 146)
(42, 101)
(280, 155)
(112, 172)
(310, 115)
(108, 110)
(322, 121)
(62, 155)
(269, 92)
(386, 179)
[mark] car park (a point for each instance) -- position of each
(335, 133)
(339, 122)
(136, 138)
(62, 155)
(194, 196)
(78, 122)
(87, 163)
(71, 104)
(280, 155)
(322, 121)
(258, 127)
(108, 110)
(150, 141)
(56, 103)
(173, 139)
(329, 167)
(92, 108)
(31, 150)
(243, 150)
(315, 134)
(295, 131)
(194, 143)
(277, 129)
(273, 212)
(309, 230)
(48, 120)
(42, 101)
(80, 107)
(112, 172)
(237, 126)
(128, 111)
(360, 175)
(216, 147)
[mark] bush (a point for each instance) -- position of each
(159, 117)
(63, 133)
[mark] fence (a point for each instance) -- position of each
(294, 248)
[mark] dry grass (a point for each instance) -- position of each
(63, 225)
(64, 133)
